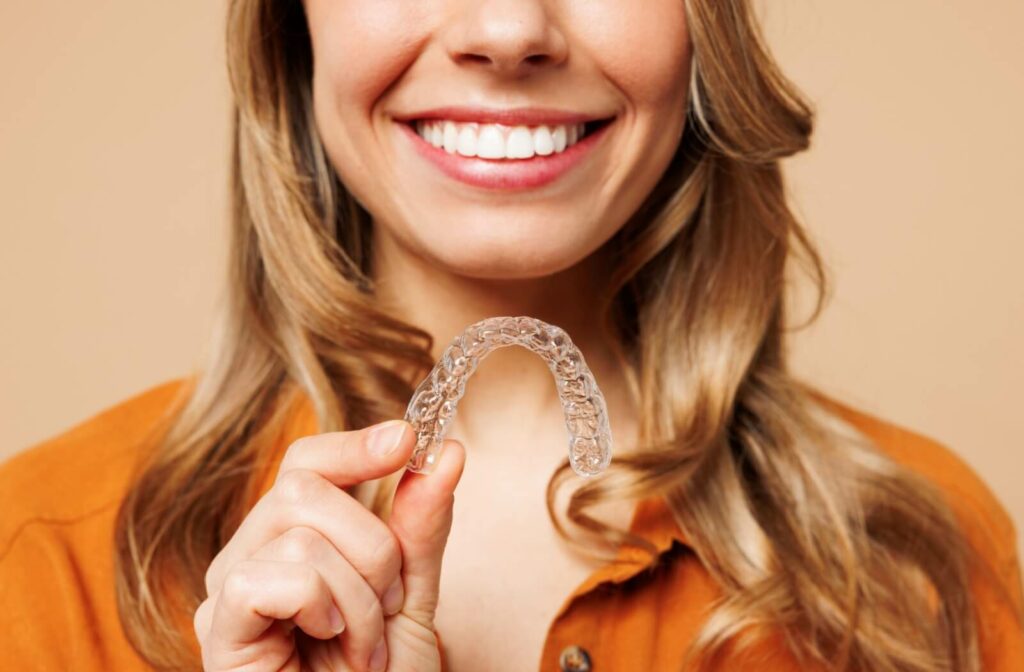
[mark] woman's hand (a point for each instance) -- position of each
(310, 555)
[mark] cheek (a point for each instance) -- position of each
(360, 49)
(642, 47)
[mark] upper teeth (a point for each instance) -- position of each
(497, 141)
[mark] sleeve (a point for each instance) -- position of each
(58, 504)
(1000, 603)
(996, 580)
(990, 531)
(38, 628)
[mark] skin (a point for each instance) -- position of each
(447, 254)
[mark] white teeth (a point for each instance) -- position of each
(542, 142)
(451, 137)
(490, 144)
(467, 141)
(520, 143)
(497, 141)
(559, 137)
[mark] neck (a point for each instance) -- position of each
(512, 388)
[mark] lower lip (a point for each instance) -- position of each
(507, 174)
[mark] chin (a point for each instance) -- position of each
(502, 261)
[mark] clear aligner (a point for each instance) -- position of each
(432, 407)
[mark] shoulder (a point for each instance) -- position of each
(58, 503)
(970, 496)
(984, 520)
(84, 468)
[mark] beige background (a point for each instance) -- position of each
(113, 169)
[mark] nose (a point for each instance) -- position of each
(508, 37)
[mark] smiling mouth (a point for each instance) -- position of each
(502, 142)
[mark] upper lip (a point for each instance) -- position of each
(525, 116)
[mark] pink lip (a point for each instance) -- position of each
(508, 174)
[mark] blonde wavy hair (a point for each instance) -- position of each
(809, 530)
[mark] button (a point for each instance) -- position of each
(574, 659)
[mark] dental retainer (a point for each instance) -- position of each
(432, 407)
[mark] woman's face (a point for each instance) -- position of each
(381, 64)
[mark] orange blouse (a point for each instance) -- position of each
(59, 498)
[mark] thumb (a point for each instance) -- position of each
(421, 517)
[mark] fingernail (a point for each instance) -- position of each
(379, 658)
(337, 624)
(386, 437)
(393, 598)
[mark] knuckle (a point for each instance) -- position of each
(295, 449)
(386, 556)
(238, 584)
(383, 560)
(312, 584)
(372, 617)
(198, 620)
(210, 578)
(300, 543)
(296, 487)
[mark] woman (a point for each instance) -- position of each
(247, 516)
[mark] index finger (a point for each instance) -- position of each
(351, 457)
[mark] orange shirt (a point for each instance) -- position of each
(59, 499)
